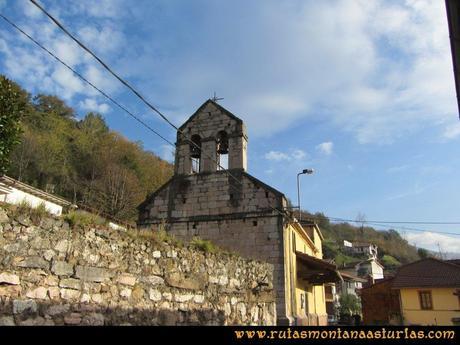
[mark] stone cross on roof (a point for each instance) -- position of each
(215, 98)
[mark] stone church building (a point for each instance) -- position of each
(238, 212)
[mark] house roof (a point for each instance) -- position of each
(221, 108)
(353, 264)
(454, 261)
(378, 281)
(243, 173)
(8, 183)
(315, 270)
(348, 276)
(428, 272)
(452, 7)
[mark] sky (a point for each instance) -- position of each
(360, 91)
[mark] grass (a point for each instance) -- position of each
(83, 219)
(390, 261)
(159, 236)
(204, 245)
(36, 214)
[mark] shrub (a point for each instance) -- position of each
(203, 245)
(36, 214)
(83, 219)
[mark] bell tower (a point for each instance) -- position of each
(212, 139)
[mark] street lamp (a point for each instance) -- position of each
(304, 171)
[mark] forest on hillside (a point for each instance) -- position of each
(393, 249)
(82, 160)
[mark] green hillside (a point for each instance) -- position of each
(82, 159)
(393, 250)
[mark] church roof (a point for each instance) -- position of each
(218, 106)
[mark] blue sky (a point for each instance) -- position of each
(361, 91)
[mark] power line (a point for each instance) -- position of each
(170, 123)
(131, 88)
(113, 100)
(85, 80)
(387, 227)
(102, 63)
(398, 222)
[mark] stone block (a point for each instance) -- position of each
(62, 268)
(9, 278)
(152, 280)
(155, 295)
(21, 306)
(58, 309)
(92, 274)
(69, 294)
(70, 283)
(177, 280)
(127, 279)
(38, 293)
(10, 291)
(34, 262)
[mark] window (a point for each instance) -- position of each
(302, 301)
(426, 302)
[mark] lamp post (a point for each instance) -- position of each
(305, 171)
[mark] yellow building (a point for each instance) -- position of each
(306, 273)
(429, 292)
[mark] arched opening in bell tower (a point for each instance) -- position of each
(222, 150)
(195, 153)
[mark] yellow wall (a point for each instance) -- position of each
(315, 302)
(445, 307)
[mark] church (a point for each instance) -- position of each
(213, 197)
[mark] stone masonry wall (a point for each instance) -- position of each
(238, 218)
(52, 274)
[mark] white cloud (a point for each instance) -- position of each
(377, 69)
(277, 156)
(90, 104)
(452, 131)
(325, 148)
(298, 154)
(430, 240)
(39, 73)
(98, 9)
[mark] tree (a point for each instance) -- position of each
(349, 304)
(12, 106)
(423, 253)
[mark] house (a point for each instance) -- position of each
(380, 303)
(223, 203)
(429, 291)
(332, 302)
(361, 248)
(350, 284)
(368, 269)
(15, 192)
(425, 292)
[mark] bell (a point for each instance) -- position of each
(223, 148)
(195, 152)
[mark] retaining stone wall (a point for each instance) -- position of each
(51, 274)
